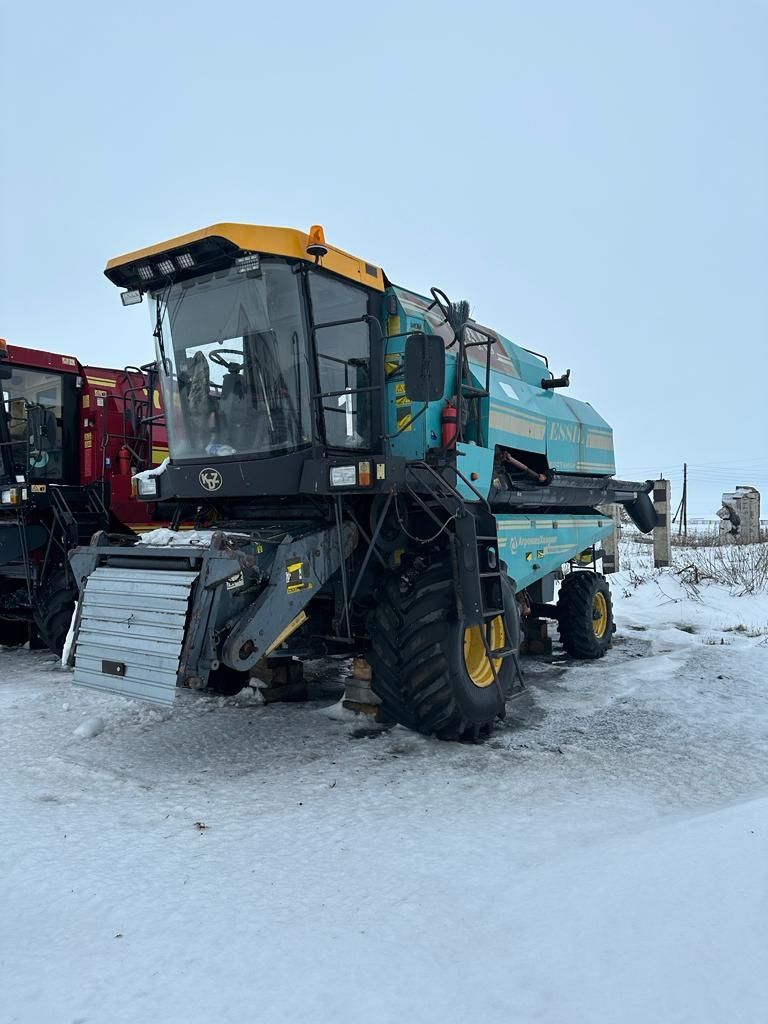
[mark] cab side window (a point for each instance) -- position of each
(344, 356)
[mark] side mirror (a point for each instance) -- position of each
(6, 372)
(424, 367)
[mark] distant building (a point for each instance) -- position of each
(740, 516)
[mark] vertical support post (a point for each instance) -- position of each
(684, 518)
(358, 694)
(535, 638)
(662, 536)
(611, 543)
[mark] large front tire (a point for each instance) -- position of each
(431, 673)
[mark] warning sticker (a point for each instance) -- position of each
(236, 581)
(295, 578)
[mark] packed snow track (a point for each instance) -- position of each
(603, 857)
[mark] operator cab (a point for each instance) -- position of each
(238, 366)
(33, 414)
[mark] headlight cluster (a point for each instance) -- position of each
(355, 475)
(146, 486)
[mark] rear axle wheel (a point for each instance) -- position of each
(54, 610)
(585, 615)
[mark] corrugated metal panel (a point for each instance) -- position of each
(132, 631)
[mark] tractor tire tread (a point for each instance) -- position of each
(575, 615)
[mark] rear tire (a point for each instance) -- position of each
(54, 611)
(585, 622)
(428, 670)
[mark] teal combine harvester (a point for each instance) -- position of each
(379, 474)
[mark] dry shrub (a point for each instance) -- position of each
(743, 568)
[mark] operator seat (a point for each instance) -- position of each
(200, 405)
(233, 410)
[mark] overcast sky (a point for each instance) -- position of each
(593, 177)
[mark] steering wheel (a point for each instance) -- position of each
(216, 355)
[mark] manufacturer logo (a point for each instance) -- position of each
(210, 479)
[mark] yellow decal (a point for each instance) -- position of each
(400, 388)
(292, 626)
(155, 396)
(86, 401)
(393, 325)
(87, 440)
(39, 488)
(294, 578)
(404, 422)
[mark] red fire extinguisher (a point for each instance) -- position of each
(450, 424)
(124, 461)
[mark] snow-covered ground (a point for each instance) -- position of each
(603, 858)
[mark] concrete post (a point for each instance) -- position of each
(740, 516)
(611, 543)
(662, 534)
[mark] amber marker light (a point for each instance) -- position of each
(316, 245)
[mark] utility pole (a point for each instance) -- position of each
(685, 485)
(682, 508)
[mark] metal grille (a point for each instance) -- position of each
(132, 631)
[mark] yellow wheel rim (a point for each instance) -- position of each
(476, 661)
(599, 615)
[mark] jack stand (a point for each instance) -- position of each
(281, 681)
(536, 638)
(358, 695)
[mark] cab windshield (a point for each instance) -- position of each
(236, 375)
(32, 410)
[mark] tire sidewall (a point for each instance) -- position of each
(479, 703)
